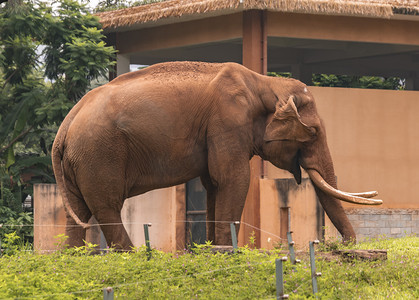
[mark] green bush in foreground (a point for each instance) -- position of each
(250, 274)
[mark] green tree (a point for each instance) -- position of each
(367, 82)
(47, 60)
(350, 81)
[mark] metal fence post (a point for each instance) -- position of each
(314, 274)
(108, 293)
(234, 235)
(279, 271)
(147, 240)
(291, 249)
(1, 225)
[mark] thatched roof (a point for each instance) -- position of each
(181, 8)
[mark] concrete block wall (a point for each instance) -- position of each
(388, 222)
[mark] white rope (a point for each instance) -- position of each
(108, 224)
(138, 223)
(262, 230)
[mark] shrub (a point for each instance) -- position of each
(248, 274)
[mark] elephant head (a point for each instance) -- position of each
(295, 137)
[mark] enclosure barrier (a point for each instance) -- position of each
(291, 244)
(314, 273)
(279, 271)
(147, 240)
(108, 292)
(234, 235)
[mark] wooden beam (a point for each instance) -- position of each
(180, 34)
(341, 28)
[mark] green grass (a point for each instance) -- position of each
(74, 274)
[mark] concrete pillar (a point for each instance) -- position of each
(412, 83)
(254, 58)
(111, 41)
(122, 64)
(49, 216)
(50, 219)
(255, 41)
(302, 73)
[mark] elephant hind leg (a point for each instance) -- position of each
(76, 234)
(211, 190)
(114, 231)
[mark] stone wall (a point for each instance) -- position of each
(389, 222)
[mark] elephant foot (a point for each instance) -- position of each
(222, 234)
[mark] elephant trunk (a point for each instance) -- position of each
(318, 164)
(334, 209)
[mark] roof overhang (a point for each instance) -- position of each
(175, 11)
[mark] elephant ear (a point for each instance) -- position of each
(286, 124)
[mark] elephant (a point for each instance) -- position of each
(171, 122)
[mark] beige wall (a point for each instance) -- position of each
(159, 207)
(49, 216)
(373, 137)
(306, 217)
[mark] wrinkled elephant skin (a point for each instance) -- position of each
(171, 122)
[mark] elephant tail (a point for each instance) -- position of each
(57, 156)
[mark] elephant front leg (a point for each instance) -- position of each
(231, 187)
(229, 206)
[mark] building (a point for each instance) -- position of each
(372, 134)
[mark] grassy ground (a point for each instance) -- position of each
(199, 274)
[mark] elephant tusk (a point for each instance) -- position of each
(370, 194)
(351, 198)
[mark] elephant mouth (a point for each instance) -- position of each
(357, 198)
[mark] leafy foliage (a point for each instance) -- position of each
(248, 274)
(347, 81)
(47, 60)
(367, 82)
(18, 223)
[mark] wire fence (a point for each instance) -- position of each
(108, 292)
(144, 282)
(140, 223)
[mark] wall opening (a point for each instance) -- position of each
(284, 219)
(196, 205)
